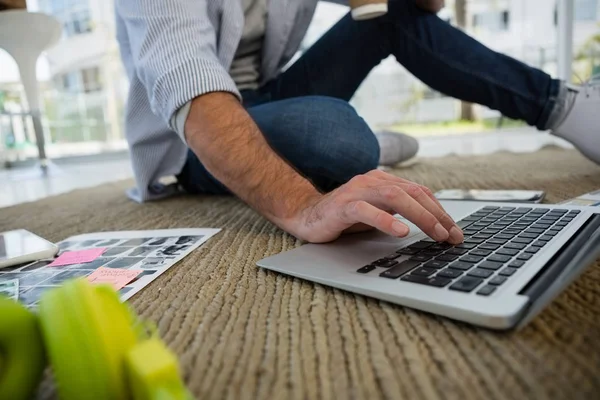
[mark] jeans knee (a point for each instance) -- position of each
(344, 142)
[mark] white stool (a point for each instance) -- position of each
(25, 35)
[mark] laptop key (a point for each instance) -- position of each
(420, 258)
(525, 256)
(480, 273)
(435, 264)
(385, 263)
(463, 224)
(541, 226)
(489, 208)
(539, 243)
(505, 236)
(533, 230)
(546, 238)
(400, 269)
(471, 259)
(430, 253)
(532, 249)
(408, 251)
(424, 271)
(461, 265)
(497, 241)
(494, 266)
(490, 231)
(441, 246)
(486, 290)
(512, 245)
(529, 235)
(552, 233)
(474, 240)
(508, 271)
(480, 252)
(366, 269)
(498, 280)
(499, 258)
(466, 284)
(447, 257)
(467, 246)
(470, 232)
(393, 256)
(435, 281)
(517, 264)
(522, 240)
(489, 246)
(522, 210)
(457, 251)
(421, 245)
(508, 252)
(449, 273)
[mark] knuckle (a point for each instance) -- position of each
(414, 190)
(358, 180)
(390, 192)
(355, 208)
(426, 190)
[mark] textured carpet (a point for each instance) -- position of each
(243, 332)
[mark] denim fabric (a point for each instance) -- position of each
(304, 114)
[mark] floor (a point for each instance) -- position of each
(27, 184)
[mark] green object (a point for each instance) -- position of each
(22, 357)
(96, 345)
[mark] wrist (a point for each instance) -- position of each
(297, 218)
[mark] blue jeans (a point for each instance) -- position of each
(305, 116)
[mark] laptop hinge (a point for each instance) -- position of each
(582, 249)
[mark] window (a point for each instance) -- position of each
(91, 79)
(86, 80)
(493, 21)
(586, 10)
(74, 14)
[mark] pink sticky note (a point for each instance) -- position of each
(77, 257)
(113, 276)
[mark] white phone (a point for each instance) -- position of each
(21, 246)
(517, 196)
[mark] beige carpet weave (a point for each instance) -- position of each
(245, 333)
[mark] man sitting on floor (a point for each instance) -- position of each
(210, 104)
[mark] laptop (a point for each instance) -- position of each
(514, 261)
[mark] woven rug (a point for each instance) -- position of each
(245, 333)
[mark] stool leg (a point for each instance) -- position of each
(27, 70)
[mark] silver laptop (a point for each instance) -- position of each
(515, 259)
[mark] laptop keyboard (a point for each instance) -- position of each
(498, 242)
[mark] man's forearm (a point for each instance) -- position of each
(232, 148)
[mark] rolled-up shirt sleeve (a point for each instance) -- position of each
(173, 49)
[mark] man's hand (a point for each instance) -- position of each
(433, 6)
(233, 150)
(369, 201)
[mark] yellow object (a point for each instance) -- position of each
(154, 373)
(22, 356)
(98, 348)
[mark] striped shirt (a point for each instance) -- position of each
(174, 51)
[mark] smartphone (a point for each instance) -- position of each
(21, 246)
(510, 196)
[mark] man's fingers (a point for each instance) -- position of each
(416, 192)
(362, 212)
(426, 198)
(393, 178)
